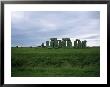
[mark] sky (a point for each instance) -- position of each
(31, 28)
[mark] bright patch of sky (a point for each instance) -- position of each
(31, 28)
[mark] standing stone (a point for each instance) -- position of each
(85, 43)
(55, 44)
(79, 44)
(63, 43)
(75, 44)
(82, 45)
(52, 44)
(47, 43)
(42, 45)
(59, 44)
(69, 44)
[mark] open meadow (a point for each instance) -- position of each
(61, 62)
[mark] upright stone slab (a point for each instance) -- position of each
(69, 44)
(52, 44)
(85, 43)
(42, 45)
(55, 44)
(47, 43)
(63, 44)
(79, 44)
(75, 44)
(59, 44)
(82, 44)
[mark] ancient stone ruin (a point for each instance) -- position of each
(65, 43)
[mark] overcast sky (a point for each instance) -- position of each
(31, 28)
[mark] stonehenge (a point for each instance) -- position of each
(65, 43)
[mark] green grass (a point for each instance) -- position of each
(64, 62)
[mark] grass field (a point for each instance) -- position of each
(64, 62)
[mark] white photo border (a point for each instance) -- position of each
(8, 8)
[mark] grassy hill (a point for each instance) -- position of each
(62, 62)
